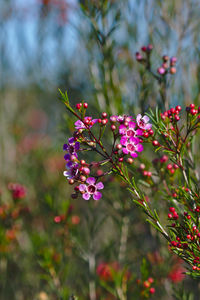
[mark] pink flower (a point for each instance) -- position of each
(18, 190)
(91, 189)
(142, 122)
(129, 131)
(131, 146)
(80, 125)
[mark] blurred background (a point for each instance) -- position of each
(49, 246)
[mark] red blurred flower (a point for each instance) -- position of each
(104, 271)
(177, 273)
(75, 220)
(18, 190)
(60, 218)
(10, 234)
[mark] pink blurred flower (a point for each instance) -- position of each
(177, 273)
(37, 119)
(18, 190)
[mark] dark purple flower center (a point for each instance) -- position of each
(71, 149)
(130, 132)
(91, 189)
(130, 147)
(141, 122)
(74, 171)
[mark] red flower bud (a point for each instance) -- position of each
(78, 105)
(85, 105)
(155, 143)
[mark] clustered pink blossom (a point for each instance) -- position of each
(130, 133)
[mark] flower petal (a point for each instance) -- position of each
(67, 156)
(79, 124)
(134, 154)
(69, 164)
(139, 147)
(97, 195)
(134, 140)
(71, 140)
(65, 147)
(148, 126)
(122, 129)
(138, 118)
(123, 141)
(125, 151)
(77, 146)
(86, 196)
(139, 132)
(146, 119)
(131, 124)
(99, 185)
(91, 180)
(82, 187)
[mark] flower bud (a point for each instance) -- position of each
(104, 121)
(85, 105)
(82, 178)
(78, 106)
(165, 58)
(172, 70)
(113, 119)
(86, 171)
(71, 181)
(113, 127)
(161, 71)
(104, 115)
(118, 146)
(130, 160)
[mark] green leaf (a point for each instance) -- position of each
(154, 225)
(65, 100)
(144, 183)
(108, 288)
(144, 269)
(64, 97)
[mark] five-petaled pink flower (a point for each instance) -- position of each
(142, 122)
(91, 189)
(129, 131)
(131, 145)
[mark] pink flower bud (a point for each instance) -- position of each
(161, 71)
